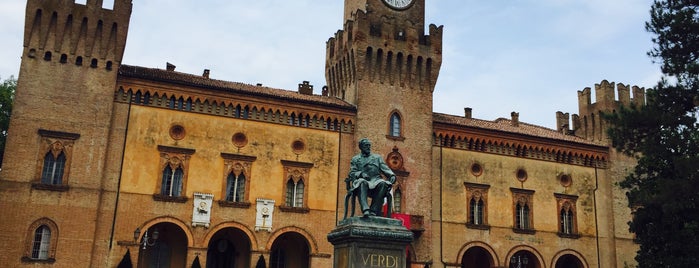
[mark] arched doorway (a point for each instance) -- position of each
(290, 250)
(228, 248)
(166, 249)
(569, 261)
(523, 259)
(477, 257)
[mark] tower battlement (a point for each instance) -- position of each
(609, 97)
(605, 96)
(69, 32)
(407, 57)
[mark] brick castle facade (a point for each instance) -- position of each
(112, 165)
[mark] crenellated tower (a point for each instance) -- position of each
(62, 125)
(612, 212)
(386, 62)
(382, 45)
(588, 123)
(89, 35)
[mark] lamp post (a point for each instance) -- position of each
(146, 241)
(519, 261)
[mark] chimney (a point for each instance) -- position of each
(515, 119)
(169, 67)
(306, 88)
(206, 73)
(468, 112)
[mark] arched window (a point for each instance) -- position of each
(235, 187)
(476, 206)
(171, 104)
(52, 172)
(172, 181)
(567, 226)
(477, 196)
(137, 97)
(523, 221)
(174, 163)
(395, 126)
(566, 221)
(297, 178)
(41, 243)
(53, 160)
(188, 105)
(522, 217)
(294, 193)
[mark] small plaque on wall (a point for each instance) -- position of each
(201, 212)
(263, 218)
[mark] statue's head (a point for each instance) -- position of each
(365, 145)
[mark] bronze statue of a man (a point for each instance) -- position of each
(366, 180)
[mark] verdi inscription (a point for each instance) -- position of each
(380, 260)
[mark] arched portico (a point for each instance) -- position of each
(524, 257)
(163, 244)
(569, 259)
(477, 254)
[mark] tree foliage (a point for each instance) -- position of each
(663, 136)
(7, 96)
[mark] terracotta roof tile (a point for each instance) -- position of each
(505, 125)
(234, 87)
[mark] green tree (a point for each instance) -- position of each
(7, 96)
(663, 136)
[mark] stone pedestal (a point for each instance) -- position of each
(364, 242)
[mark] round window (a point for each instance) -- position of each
(177, 132)
(565, 180)
(239, 140)
(476, 169)
(521, 175)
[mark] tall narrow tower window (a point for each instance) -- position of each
(395, 125)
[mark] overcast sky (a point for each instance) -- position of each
(499, 56)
